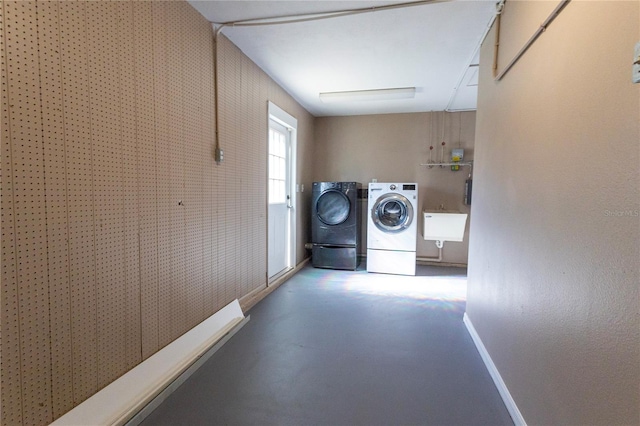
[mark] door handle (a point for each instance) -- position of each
(289, 206)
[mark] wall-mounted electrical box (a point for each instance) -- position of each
(456, 156)
(219, 155)
(636, 64)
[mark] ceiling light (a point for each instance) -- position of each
(369, 95)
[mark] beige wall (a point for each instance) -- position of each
(107, 124)
(391, 148)
(244, 93)
(553, 271)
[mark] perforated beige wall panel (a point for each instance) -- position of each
(10, 377)
(119, 230)
(228, 221)
(216, 220)
(147, 183)
(243, 123)
(25, 122)
(205, 123)
(106, 137)
(176, 169)
(55, 164)
(257, 242)
(163, 179)
(246, 150)
(128, 78)
(80, 208)
(194, 159)
(259, 217)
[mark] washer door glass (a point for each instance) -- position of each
(332, 207)
(392, 213)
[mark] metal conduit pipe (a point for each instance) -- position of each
(216, 118)
(308, 17)
(528, 44)
(281, 20)
(499, 7)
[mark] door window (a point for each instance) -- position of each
(277, 166)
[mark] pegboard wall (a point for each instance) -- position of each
(119, 231)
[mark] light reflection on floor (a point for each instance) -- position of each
(433, 287)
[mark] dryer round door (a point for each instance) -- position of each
(392, 213)
(333, 207)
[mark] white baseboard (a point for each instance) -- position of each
(516, 416)
(166, 392)
(249, 300)
(121, 400)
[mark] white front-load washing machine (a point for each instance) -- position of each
(392, 228)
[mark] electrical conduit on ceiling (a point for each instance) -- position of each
(279, 20)
(289, 19)
(532, 39)
(499, 7)
(293, 19)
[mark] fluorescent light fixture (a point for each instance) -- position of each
(369, 95)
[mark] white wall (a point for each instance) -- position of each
(390, 148)
(554, 244)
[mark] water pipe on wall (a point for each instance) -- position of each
(438, 258)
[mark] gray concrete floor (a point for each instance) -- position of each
(346, 348)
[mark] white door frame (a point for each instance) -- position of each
(278, 115)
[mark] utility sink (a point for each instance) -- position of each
(444, 225)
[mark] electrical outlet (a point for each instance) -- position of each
(636, 64)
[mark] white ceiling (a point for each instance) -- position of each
(429, 47)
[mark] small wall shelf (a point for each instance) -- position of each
(461, 164)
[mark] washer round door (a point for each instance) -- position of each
(333, 207)
(392, 213)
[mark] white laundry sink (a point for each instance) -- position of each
(444, 225)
